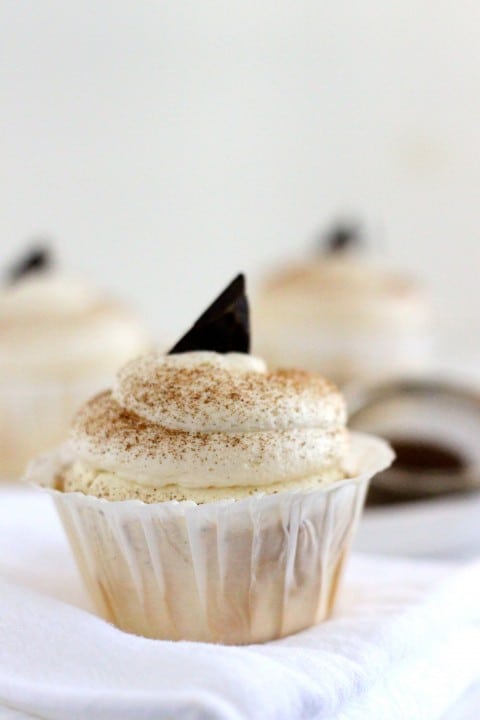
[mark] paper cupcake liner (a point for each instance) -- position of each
(231, 572)
(36, 416)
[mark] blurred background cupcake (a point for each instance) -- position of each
(344, 313)
(61, 340)
(428, 502)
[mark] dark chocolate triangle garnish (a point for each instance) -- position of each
(223, 327)
(35, 260)
(342, 237)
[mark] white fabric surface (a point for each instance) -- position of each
(405, 643)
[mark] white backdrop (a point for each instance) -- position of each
(165, 145)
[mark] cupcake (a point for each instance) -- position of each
(433, 426)
(60, 342)
(343, 314)
(207, 498)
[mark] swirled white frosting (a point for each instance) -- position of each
(341, 292)
(45, 296)
(54, 326)
(203, 420)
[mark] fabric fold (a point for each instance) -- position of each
(404, 643)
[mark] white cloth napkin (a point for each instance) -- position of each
(405, 644)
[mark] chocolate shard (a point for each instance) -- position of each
(36, 259)
(223, 327)
(342, 237)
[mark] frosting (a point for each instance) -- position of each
(209, 392)
(52, 325)
(206, 420)
(342, 291)
(45, 296)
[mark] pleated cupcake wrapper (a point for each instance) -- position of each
(36, 416)
(233, 572)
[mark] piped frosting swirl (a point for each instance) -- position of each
(54, 326)
(202, 419)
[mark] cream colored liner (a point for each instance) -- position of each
(231, 572)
